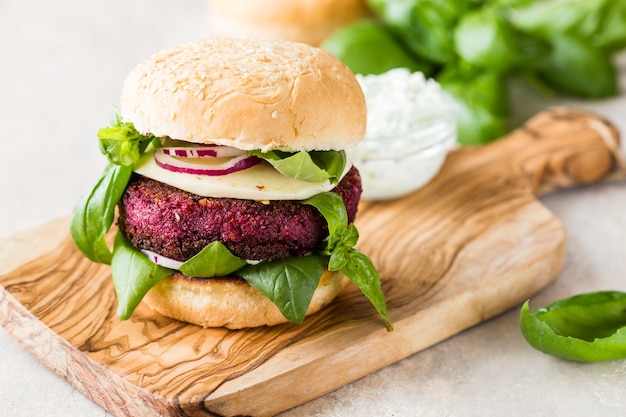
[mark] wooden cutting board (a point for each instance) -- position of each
(470, 245)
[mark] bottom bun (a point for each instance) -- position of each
(229, 302)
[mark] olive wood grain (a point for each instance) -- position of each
(471, 244)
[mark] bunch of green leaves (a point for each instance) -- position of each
(564, 46)
(587, 327)
(289, 283)
(343, 257)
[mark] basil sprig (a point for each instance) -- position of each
(588, 327)
(310, 166)
(357, 267)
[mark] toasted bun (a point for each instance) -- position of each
(247, 93)
(230, 303)
(308, 21)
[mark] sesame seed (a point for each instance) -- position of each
(274, 114)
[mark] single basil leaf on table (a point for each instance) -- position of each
(133, 275)
(94, 213)
(368, 47)
(588, 327)
(214, 260)
(289, 283)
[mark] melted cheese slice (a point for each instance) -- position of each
(260, 182)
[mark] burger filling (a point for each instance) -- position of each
(280, 246)
(177, 224)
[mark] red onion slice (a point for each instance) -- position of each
(162, 260)
(203, 151)
(230, 166)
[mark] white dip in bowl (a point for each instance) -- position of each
(411, 126)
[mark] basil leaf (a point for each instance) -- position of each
(121, 142)
(94, 213)
(339, 245)
(483, 37)
(368, 47)
(215, 260)
(588, 327)
(426, 26)
(338, 259)
(601, 22)
(575, 67)
(361, 271)
(482, 104)
(331, 206)
(289, 283)
(306, 166)
(133, 275)
(332, 162)
(357, 267)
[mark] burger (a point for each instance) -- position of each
(228, 182)
(307, 21)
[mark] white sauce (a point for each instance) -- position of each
(261, 182)
(410, 129)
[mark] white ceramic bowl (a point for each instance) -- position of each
(392, 167)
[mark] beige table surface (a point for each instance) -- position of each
(61, 69)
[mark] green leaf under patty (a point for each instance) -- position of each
(215, 260)
(133, 275)
(289, 283)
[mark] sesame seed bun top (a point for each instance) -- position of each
(247, 93)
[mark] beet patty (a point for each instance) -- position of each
(178, 224)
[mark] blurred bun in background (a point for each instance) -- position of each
(308, 21)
